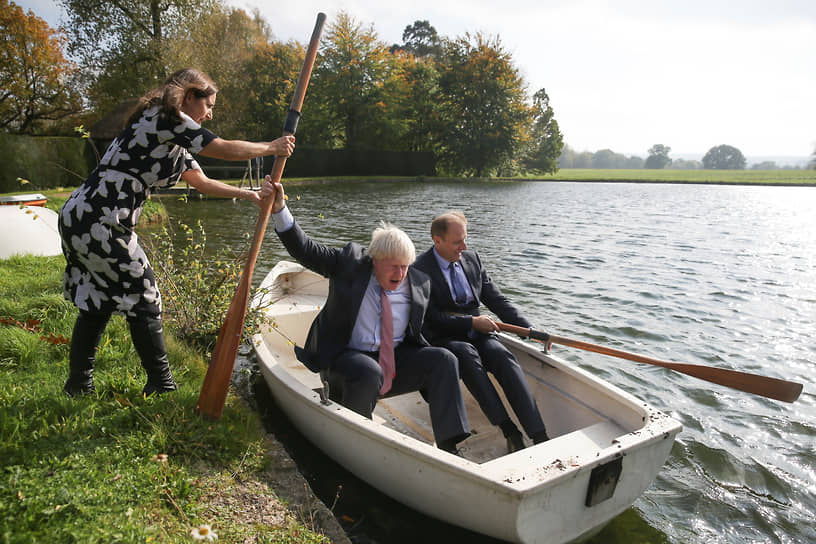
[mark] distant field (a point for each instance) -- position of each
(759, 177)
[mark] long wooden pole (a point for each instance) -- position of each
(219, 374)
(772, 388)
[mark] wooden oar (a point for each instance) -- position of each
(216, 382)
(772, 388)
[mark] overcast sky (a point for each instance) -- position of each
(623, 74)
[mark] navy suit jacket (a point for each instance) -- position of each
(349, 271)
(446, 319)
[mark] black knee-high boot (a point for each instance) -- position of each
(88, 330)
(148, 338)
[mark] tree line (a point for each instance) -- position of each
(461, 98)
(720, 157)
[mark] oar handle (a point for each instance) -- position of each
(524, 332)
(772, 388)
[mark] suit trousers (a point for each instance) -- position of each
(355, 379)
(485, 353)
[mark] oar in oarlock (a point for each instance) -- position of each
(772, 388)
(216, 382)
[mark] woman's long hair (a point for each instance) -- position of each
(170, 96)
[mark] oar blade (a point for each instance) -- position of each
(772, 388)
(214, 390)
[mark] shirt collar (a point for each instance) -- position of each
(441, 261)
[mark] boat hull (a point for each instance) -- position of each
(607, 446)
(29, 230)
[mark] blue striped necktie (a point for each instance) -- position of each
(459, 294)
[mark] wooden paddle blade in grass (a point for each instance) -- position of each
(772, 388)
(219, 374)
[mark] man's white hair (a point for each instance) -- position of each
(388, 241)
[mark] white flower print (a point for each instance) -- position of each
(80, 243)
(113, 216)
(196, 144)
(87, 290)
(165, 135)
(126, 303)
(151, 294)
(114, 154)
(96, 265)
(135, 268)
(144, 128)
(150, 178)
(76, 203)
(101, 234)
(160, 151)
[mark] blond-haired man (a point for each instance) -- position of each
(346, 339)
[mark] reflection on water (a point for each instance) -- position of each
(713, 275)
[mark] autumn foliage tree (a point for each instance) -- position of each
(353, 87)
(35, 76)
(485, 105)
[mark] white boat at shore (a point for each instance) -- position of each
(606, 448)
(29, 230)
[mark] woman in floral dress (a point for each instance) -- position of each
(107, 271)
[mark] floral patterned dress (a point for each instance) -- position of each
(107, 271)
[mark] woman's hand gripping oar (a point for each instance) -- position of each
(219, 374)
(772, 388)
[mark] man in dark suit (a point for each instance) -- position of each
(349, 341)
(459, 285)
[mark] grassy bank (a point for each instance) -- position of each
(114, 466)
(730, 177)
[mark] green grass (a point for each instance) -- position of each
(743, 177)
(91, 469)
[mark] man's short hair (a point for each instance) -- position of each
(440, 224)
(388, 241)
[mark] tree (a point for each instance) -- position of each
(683, 164)
(765, 165)
(483, 104)
(122, 46)
(658, 157)
(36, 86)
(419, 98)
(224, 43)
(546, 138)
(420, 39)
(724, 157)
(271, 75)
(353, 87)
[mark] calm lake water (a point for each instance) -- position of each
(714, 275)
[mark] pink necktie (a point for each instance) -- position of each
(386, 343)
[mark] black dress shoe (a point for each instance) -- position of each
(514, 442)
(538, 438)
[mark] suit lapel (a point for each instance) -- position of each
(359, 285)
(417, 298)
(471, 273)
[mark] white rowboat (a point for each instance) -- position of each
(29, 230)
(606, 447)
